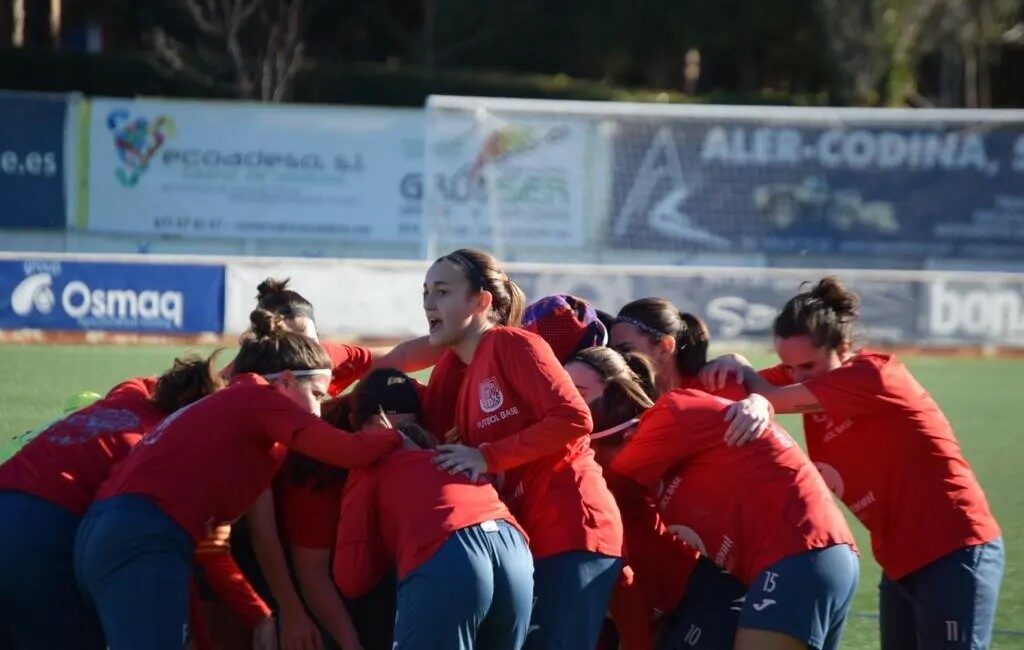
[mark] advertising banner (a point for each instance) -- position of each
(864, 184)
(71, 295)
(737, 305)
(496, 179)
(255, 171)
(32, 165)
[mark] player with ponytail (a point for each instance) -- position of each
(205, 465)
(46, 487)
(348, 362)
(675, 341)
(669, 589)
(886, 449)
(519, 416)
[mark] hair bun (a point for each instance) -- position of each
(269, 286)
(264, 323)
(842, 301)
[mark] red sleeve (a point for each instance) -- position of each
(631, 614)
(140, 386)
(350, 363)
(309, 514)
(851, 389)
(548, 391)
(229, 584)
(776, 375)
(283, 421)
(360, 562)
(659, 444)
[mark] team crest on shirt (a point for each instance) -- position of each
(491, 397)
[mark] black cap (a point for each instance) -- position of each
(387, 390)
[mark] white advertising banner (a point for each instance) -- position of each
(370, 299)
(255, 171)
(497, 178)
(354, 298)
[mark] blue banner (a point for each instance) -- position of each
(921, 188)
(152, 298)
(32, 166)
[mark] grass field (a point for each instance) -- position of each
(980, 397)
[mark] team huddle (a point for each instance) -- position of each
(566, 479)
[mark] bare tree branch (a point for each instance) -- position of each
(167, 54)
(258, 42)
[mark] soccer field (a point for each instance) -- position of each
(978, 395)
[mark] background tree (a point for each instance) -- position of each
(252, 48)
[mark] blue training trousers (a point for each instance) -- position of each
(134, 563)
(40, 605)
(474, 592)
(571, 599)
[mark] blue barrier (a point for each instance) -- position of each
(153, 298)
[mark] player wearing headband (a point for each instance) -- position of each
(349, 362)
(46, 487)
(765, 516)
(671, 592)
(519, 415)
(205, 465)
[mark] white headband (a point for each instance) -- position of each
(616, 429)
(315, 372)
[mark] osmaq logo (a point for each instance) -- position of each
(94, 307)
(34, 292)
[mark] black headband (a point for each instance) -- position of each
(476, 276)
(293, 310)
(642, 326)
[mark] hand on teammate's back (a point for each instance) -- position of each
(716, 373)
(460, 458)
(748, 419)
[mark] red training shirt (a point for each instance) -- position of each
(349, 362)
(745, 508)
(520, 408)
(886, 449)
(308, 513)
(207, 463)
(660, 564)
(69, 460)
(441, 395)
(399, 512)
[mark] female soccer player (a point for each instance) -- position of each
(464, 567)
(672, 587)
(763, 515)
(675, 341)
(519, 416)
(205, 465)
(886, 449)
(349, 362)
(308, 495)
(255, 540)
(47, 486)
